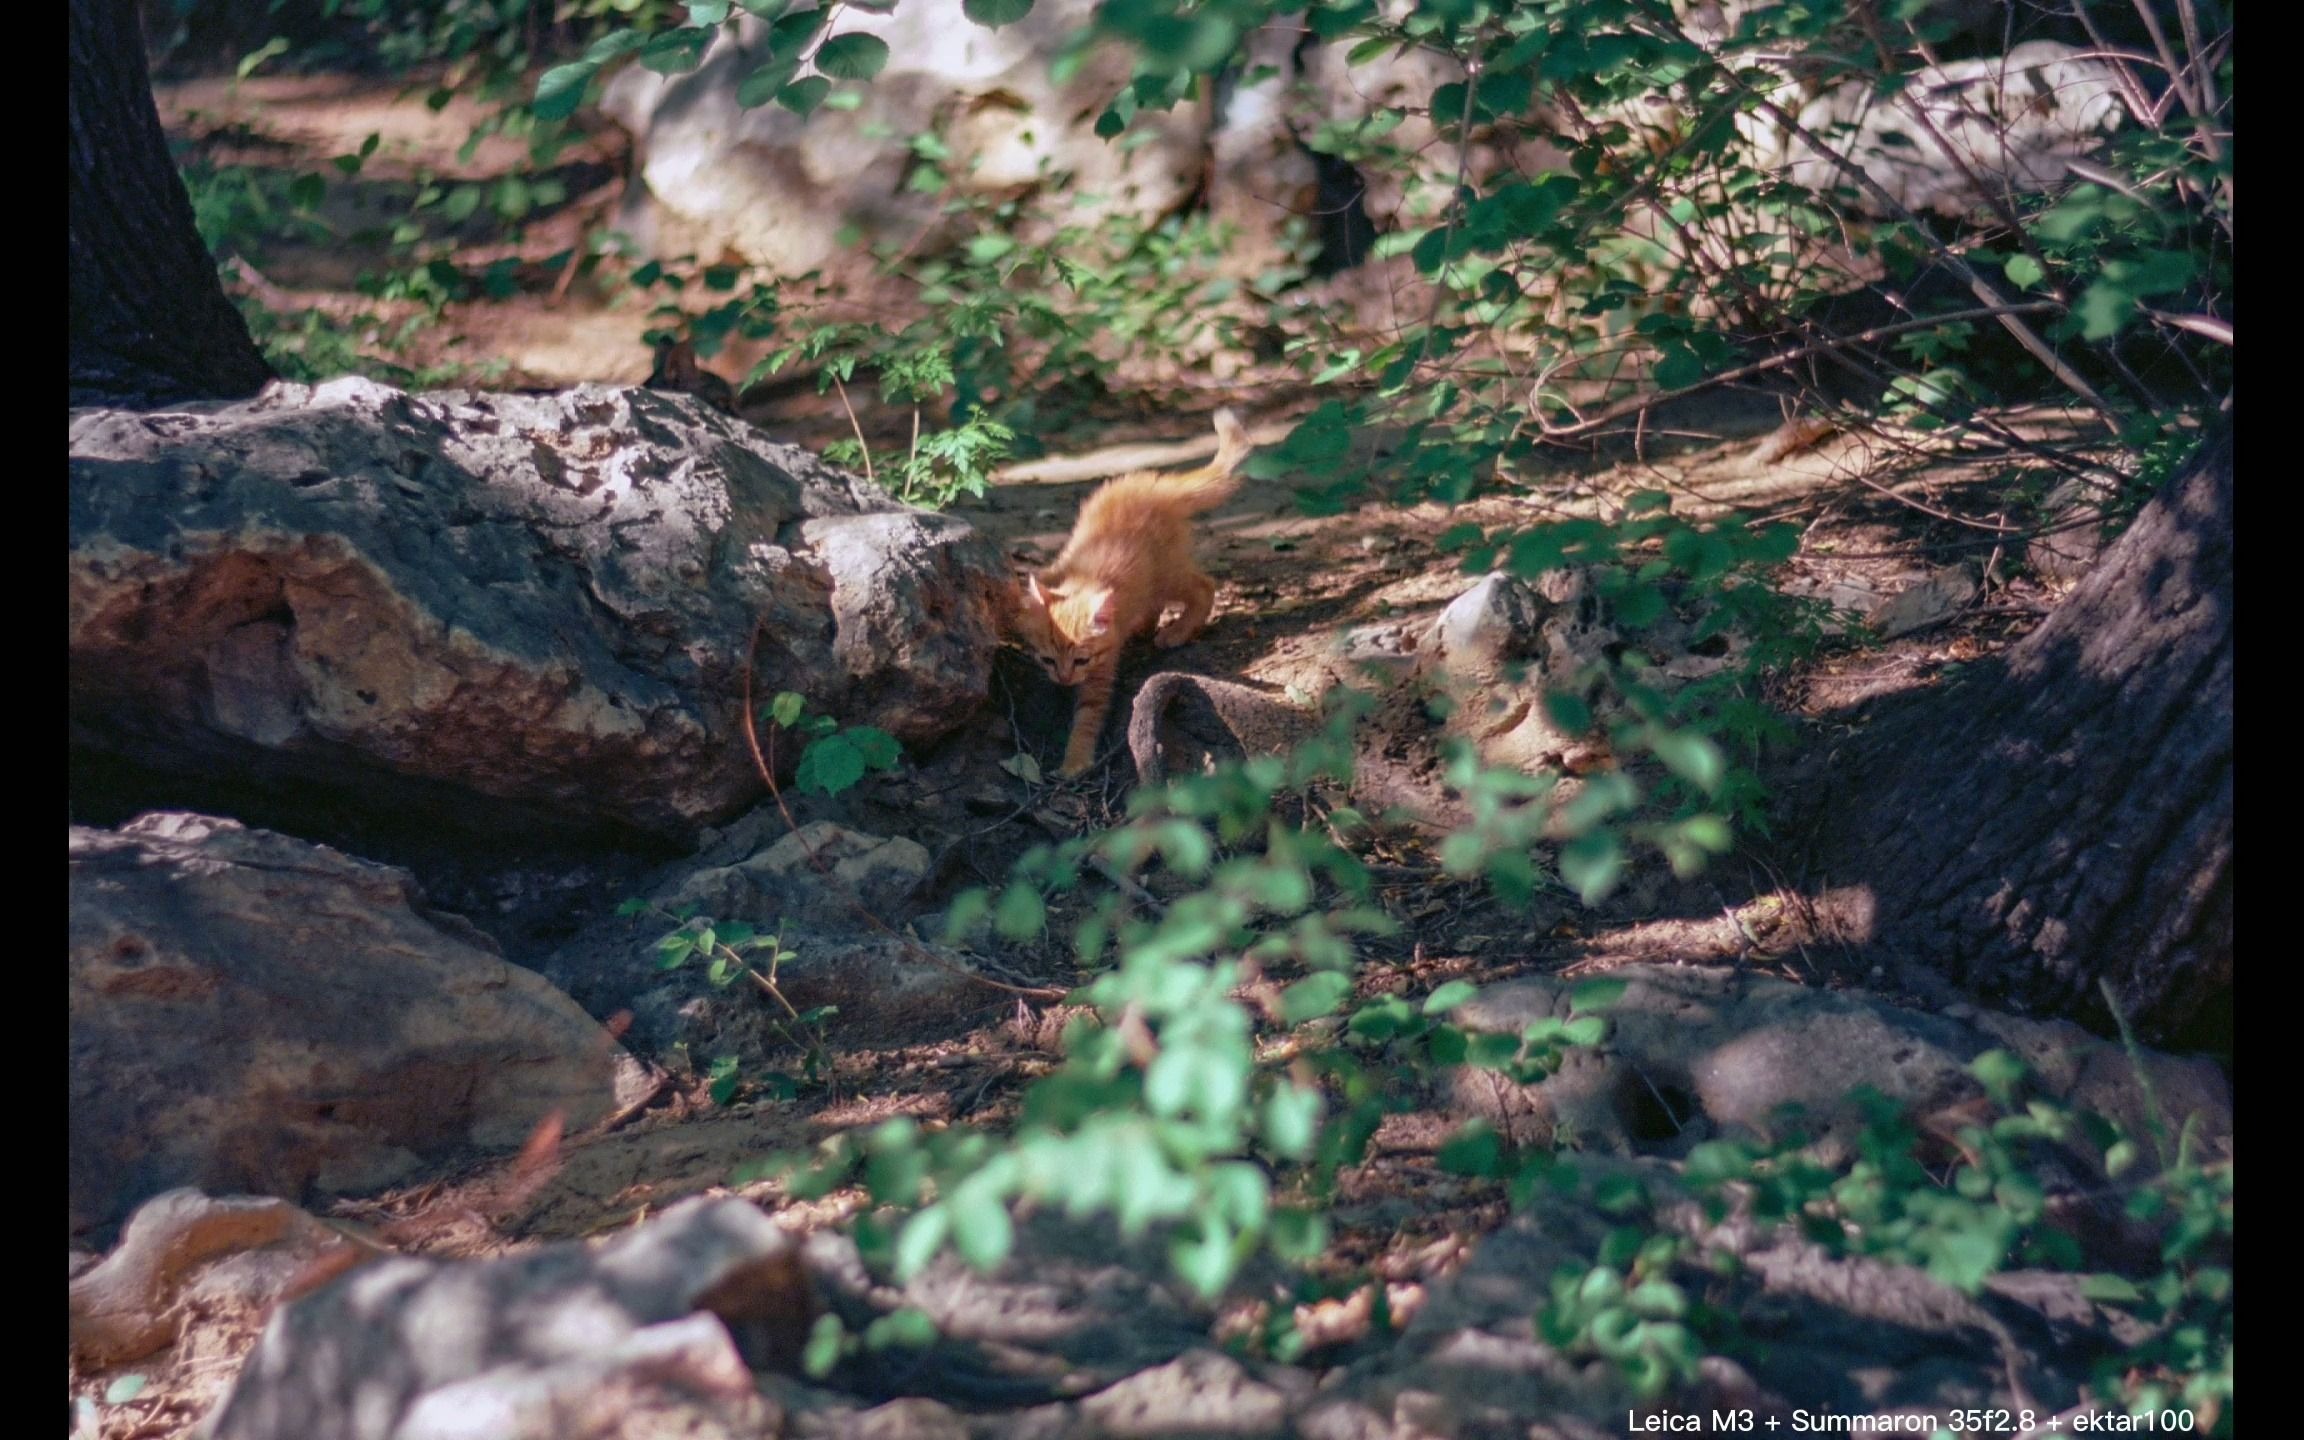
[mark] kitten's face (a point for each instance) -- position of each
(1063, 631)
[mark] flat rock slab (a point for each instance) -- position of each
(185, 1250)
(1695, 1052)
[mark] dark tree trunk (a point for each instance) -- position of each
(2064, 822)
(150, 324)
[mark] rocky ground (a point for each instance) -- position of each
(265, 674)
(413, 693)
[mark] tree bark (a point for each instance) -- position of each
(2063, 822)
(150, 322)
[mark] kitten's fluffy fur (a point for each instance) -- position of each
(1129, 559)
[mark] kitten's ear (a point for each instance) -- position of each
(1100, 618)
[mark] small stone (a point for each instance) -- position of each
(1492, 622)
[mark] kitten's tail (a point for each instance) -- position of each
(1216, 482)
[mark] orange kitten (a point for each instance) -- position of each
(1129, 559)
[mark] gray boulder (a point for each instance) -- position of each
(793, 193)
(885, 985)
(646, 1335)
(249, 1012)
(2000, 122)
(542, 599)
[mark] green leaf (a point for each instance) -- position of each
(124, 1389)
(1639, 604)
(1021, 912)
(992, 14)
(674, 52)
(826, 1340)
(1314, 996)
(1381, 1020)
(787, 35)
(1292, 1120)
(1716, 1162)
(786, 707)
(1592, 865)
(1585, 1030)
(1690, 756)
(922, 1236)
(802, 96)
(1568, 711)
(707, 12)
(969, 908)
(1998, 1072)
(599, 52)
(2023, 271)
(254, 59)
(877, 746)
(982, 1231)
(906, 1328)
(830, 765)
(853, 56)
(1298, 1236)
(724, 1076)
(768, 81)
(1588, 997)
(1678, 369)
(560, 89)
(1475, 1149)
(1449, 996)
(984, 249)
(1202, 1256)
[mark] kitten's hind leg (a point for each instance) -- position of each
(1199, 600)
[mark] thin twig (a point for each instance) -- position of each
(860, 441)
(2131, 87)
(1828, 344)
(1127, 886)
(1455, 212)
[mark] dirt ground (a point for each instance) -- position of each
(1872, 514)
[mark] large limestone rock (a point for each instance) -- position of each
(544, 599)
(2003, 122)
(249, 1012)
(796, 193)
